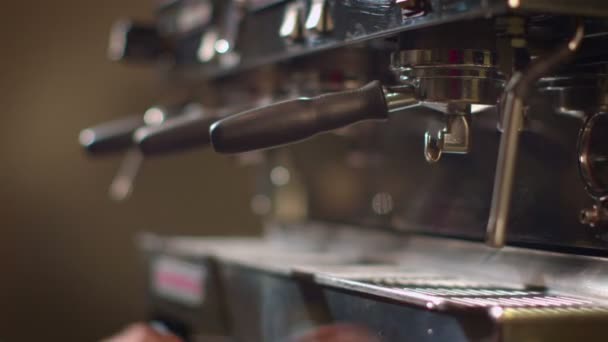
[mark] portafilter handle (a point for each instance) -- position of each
(175, 135)
(117, 135)
(110, 137)
(294, 120)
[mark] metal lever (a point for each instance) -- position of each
(124, 181)
(513, 117)
(179, 134)
(117, 136)
(294, 120)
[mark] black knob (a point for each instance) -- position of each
(110, 137)
(295, 120)
(175, 135)
(134, 42)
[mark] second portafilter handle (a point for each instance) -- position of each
(117, 135)
(188, 131)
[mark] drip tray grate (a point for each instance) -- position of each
(513, 313)
(470, 294)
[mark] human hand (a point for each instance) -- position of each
(337, 333)
(140, 332)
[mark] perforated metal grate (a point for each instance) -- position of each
(473, 294)
(431, 282)
(522, 301)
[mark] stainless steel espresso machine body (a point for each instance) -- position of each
(426, 169)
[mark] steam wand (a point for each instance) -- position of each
(513, 117)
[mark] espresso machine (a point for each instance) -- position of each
(426, 170)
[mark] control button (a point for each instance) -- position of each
(292, 28)
(319, 19)
(207, 47)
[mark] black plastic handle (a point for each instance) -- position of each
(110, 137)
(175, 135)
(291, 121)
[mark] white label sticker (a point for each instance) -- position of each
(179, 280)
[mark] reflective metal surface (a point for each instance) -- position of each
(593, 155)
(513, 116)
(449, 80)
(353, 22)
(450, 75)
(349, 253)
(370, 237)
(425, 289)
(451, 198)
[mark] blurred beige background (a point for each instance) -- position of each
(70, 271)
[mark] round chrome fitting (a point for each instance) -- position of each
(593, 155)
(450, 75)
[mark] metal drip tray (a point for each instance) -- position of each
(389, 303)
(265, 293)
